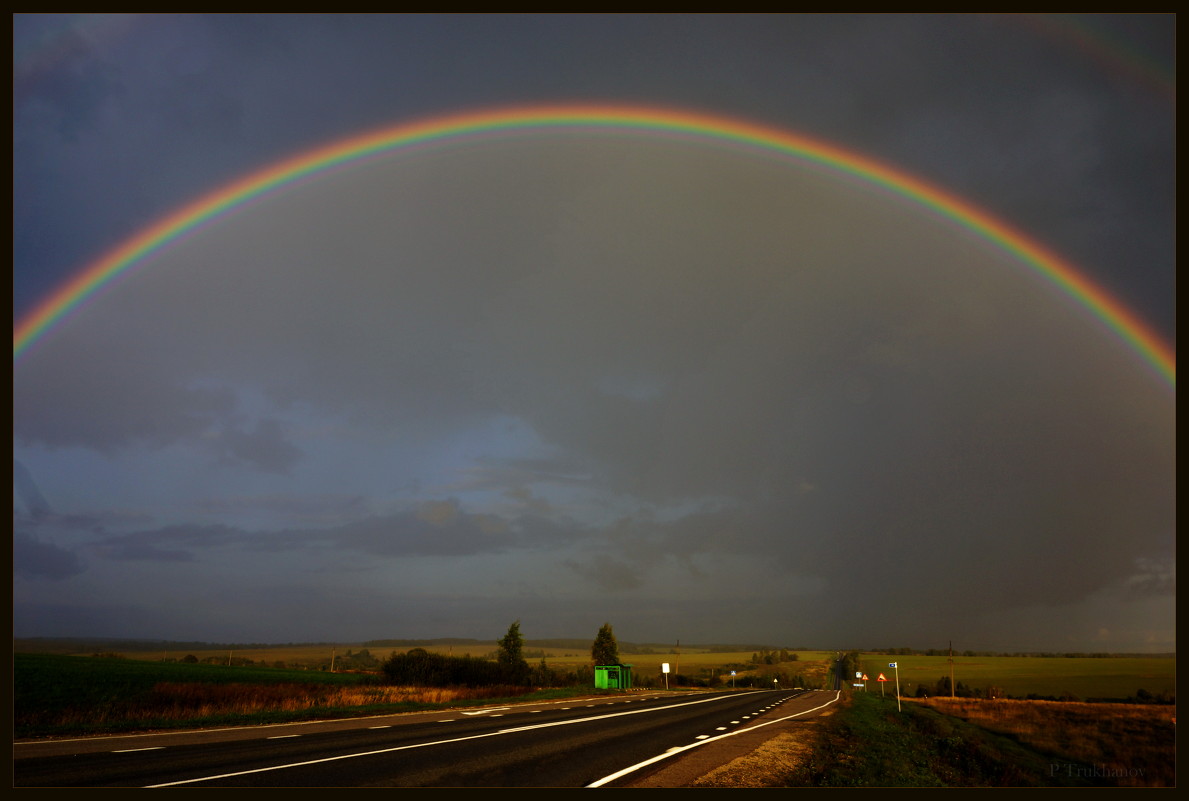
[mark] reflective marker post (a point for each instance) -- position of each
(896, 665)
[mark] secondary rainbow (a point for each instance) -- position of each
(593, 118)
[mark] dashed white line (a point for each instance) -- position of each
(133, 750)
(488, 711)
(671, 751)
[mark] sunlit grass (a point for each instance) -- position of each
(869, 742)
(1081, 678)
(55, 694)
(1134, 743)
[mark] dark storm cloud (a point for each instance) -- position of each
(310, 508)
(970, 101)
(127, 402)
(672, 354)
(643, 373)
(433, 528)
(608, 572)
(26, 488)
(265, 447)
(443, 528)
(1153, 578)
(169, 544)
(34, 559)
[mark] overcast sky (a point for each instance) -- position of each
(700, 394)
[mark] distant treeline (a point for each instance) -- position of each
(942, 689)
(436, 643)
(72, 645)
(100, 645)
(1036, 654)
(571, 644)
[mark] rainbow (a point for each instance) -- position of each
(693, 126)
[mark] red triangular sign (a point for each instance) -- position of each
(882, 677)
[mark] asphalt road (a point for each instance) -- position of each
(605, 741)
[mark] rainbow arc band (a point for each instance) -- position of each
(645, 121)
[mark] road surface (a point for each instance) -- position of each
(603, 741)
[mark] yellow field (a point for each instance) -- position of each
(1078, 677)
(692, 662)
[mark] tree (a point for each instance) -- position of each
(605, 650)
(511, 656)
(512, 647)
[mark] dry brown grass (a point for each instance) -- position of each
(773, 762)
(1134, 742)
(183, 701)
(767, 766)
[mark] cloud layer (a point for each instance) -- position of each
(573, 378)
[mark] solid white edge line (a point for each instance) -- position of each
(134, 750)
(672, 751)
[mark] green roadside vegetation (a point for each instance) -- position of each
(56, 695)
(868, 742)
(61, 694)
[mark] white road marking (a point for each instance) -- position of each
(282, 736)
(134, 750)
(672, 751)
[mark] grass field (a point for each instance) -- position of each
(934, 742)
(868, 742)
(1079, 677)
(62, 695)
(697, 663)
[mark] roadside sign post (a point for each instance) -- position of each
(665, 670)
(882, 679)
(732, 679)
(896, 666)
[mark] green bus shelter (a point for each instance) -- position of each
(613, 677)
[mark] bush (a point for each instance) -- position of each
(421, 668)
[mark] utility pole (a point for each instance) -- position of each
(952, 669)
(896, 666)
